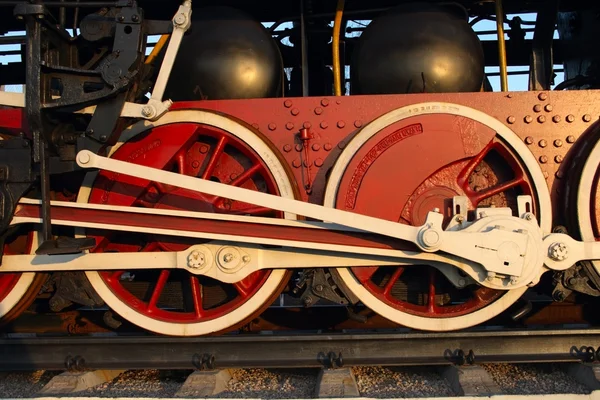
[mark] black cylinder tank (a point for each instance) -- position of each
(416, 48)
(227, 55)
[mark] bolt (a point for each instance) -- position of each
(556, 119)
(121, 18)
(319, 162)
(358, 123)
(514, 280)
(246, 259)
(341, 124)
(529, 216)
(543, 143)
(548, 107)
(324, 125)
(204, 149)
(228, 257)
(324, 102)
(537, 108)
(180, 19)
(529, 140)
(542, 96)
(462, 282)
(319, 288)
(546, 174)
(587, 118)
(558, 143)
(289, 126)
(135, 18)
(316, 147)
(195, 164)
(287, 103)
(318, 111)
(511, 119)
(272, 126)
(558, 251)
(543, 159)
(491, 276)
(460, 219)
(295, 111)
(287, 148)
(195, 259)
(103, 138)
(558, 159)
(528, 119)
(147, 111)
(307, 301)
(298, 148)
(570, 118)
(559, 174)
(327, 146)
(570, 139)
(541, 119)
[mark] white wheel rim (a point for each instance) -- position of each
(510, 138)
(265, 292)
(21, 287)
(584, 198)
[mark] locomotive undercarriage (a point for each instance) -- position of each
(436, 211)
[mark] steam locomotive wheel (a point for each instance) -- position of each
(586, 215)
(18, 291)
(409, 162)
(208, 146)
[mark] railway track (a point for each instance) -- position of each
(21, 352)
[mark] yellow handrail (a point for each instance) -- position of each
(335, 46)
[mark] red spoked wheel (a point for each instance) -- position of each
(207, 146)
(430, 157)
(18, 290)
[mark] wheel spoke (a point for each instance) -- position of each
(158, 288)
(244, 176)
(364, 274)
(463, 176)
(431, 298)
(247, 211)
(196, 295)
(180, 161)
(477, 197)
(393, 279)
(241, 288)
(212, 163)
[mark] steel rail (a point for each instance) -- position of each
(298, 350)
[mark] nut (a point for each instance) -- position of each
(147, 111)
(196, 260)
(558, 251)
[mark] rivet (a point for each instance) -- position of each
(529, 140)
(511, 119)
(556, 118)
(295, 111)
(316, 147)
(358, 123)
(307, 125)
(327, 147)
(542, 96)
(232, 176)
(195, 164)
(318, 111)
(537, 108)
(255, 125)
(570, 118)
(548, 107)
(558, 143)
(324, 102)
(341, 145)
(558, 159)
(272, 126)
(204, 149)
(324, 125)
(341, 124)
(570, 139)
(546, 174)
(298, 148)
(510, 96)
(559, 174)
(319, 162)
(338, 102)
(305, 163)
(541, 119)
(528, 119)
(287, 103)
(543, 143)
(289, 126)
(296, 164)
(587, 118)
(543, 159)
(287, 148)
